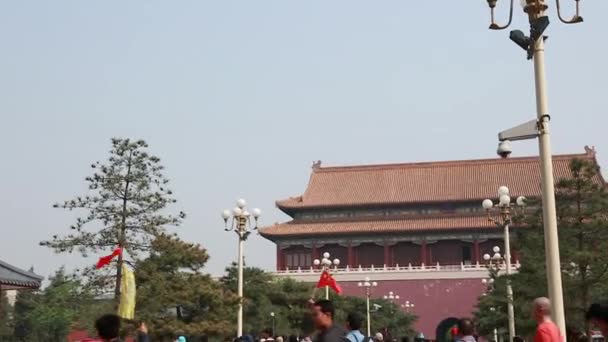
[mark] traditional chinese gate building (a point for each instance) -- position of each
(418, 229)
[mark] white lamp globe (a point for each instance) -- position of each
(226, 214)
(326, 261)
(257, 213)
(237, 211)
(385, 297)
(486, 257)
(246, 213)
(497, 256)
(360, 284)
(367, 279)
(521, 201)
(316, 262)
(484, 281)
(397, 297)
(487, 204)
(503, 190)
(326, 255)
(504, 200)
(496, 249)
(374, 284)
(241, 203)
(336, 261)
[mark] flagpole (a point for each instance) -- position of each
(326, 264)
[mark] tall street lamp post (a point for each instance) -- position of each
(326, 264)
(539, 128)
(494, 263)
(368, 285)
(274, 332)
(392, 297)
(242, 224)
(505, 208)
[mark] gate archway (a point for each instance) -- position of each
(443, 333)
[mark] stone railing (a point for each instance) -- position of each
(409, 272)
(397, 268)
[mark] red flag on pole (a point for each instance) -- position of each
(328, 280)
(105, 260)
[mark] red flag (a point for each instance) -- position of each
(328, 280)
(105, 260)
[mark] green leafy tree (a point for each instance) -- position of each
(288, 299)
(125, 207)
(265, 294)
(582, 214)
(386, 318)
(175, 298)
(50, 315)
(6, 318)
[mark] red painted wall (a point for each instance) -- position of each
(434, 300)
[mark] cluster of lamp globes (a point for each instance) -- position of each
(408, 305)
(240, 211)
(496, 256)
(326, 261)
(367, 283)
(504, 200)
(392, 296)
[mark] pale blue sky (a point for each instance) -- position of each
(239, 97)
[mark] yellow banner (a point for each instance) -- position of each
(126, 309)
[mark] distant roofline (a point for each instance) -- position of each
(289, 207)
(24, 273)
(381, 166)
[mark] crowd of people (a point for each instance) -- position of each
(328, 330)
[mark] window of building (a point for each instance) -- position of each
(298, 259)
(466, 255)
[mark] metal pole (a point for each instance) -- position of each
(326, 292)
(554, 276)
(369, 325)
(241, 234)
(510, 310)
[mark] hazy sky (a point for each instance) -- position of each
(239, 97)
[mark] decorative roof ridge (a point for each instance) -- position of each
(589, 154)
(20, 271)
(382, 218)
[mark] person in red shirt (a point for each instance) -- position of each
(546, 330)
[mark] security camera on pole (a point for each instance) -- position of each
(534, 44)
(241, 224)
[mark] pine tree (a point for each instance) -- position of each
(125, 207)
(582, 220)
(173, 296)
(6, 318)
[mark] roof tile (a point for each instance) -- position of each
(424, 182)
